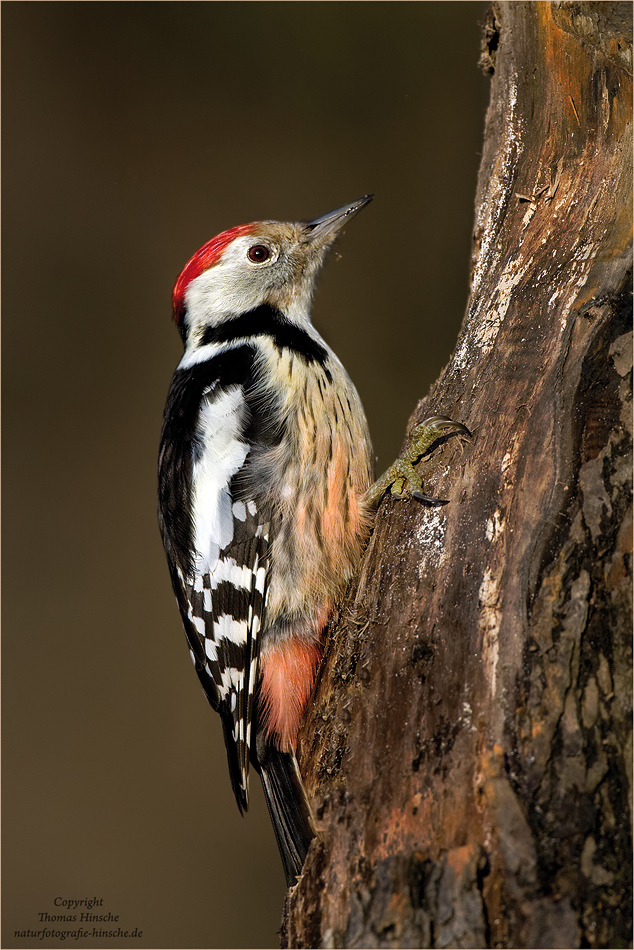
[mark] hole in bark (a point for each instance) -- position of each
(490, 43)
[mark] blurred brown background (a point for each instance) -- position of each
(133, 132)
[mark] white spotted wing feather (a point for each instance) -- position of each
(226, 592)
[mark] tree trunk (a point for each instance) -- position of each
(468, 749)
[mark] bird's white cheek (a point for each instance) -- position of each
(218, 293)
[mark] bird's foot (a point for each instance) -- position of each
(401, 478)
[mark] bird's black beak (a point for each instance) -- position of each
(328, 225)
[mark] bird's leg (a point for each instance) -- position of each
(403, 473)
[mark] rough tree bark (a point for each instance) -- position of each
(468, 750)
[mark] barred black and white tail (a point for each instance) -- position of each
(288, 806)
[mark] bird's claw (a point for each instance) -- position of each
(434, 427)
(428, 500)
(403, 473)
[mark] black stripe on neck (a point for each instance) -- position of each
(268, 321)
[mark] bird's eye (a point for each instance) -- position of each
(258, 253)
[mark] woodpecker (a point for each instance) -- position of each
(265, 494)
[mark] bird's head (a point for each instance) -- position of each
(254, 264)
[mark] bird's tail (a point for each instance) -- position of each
(288, 806)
